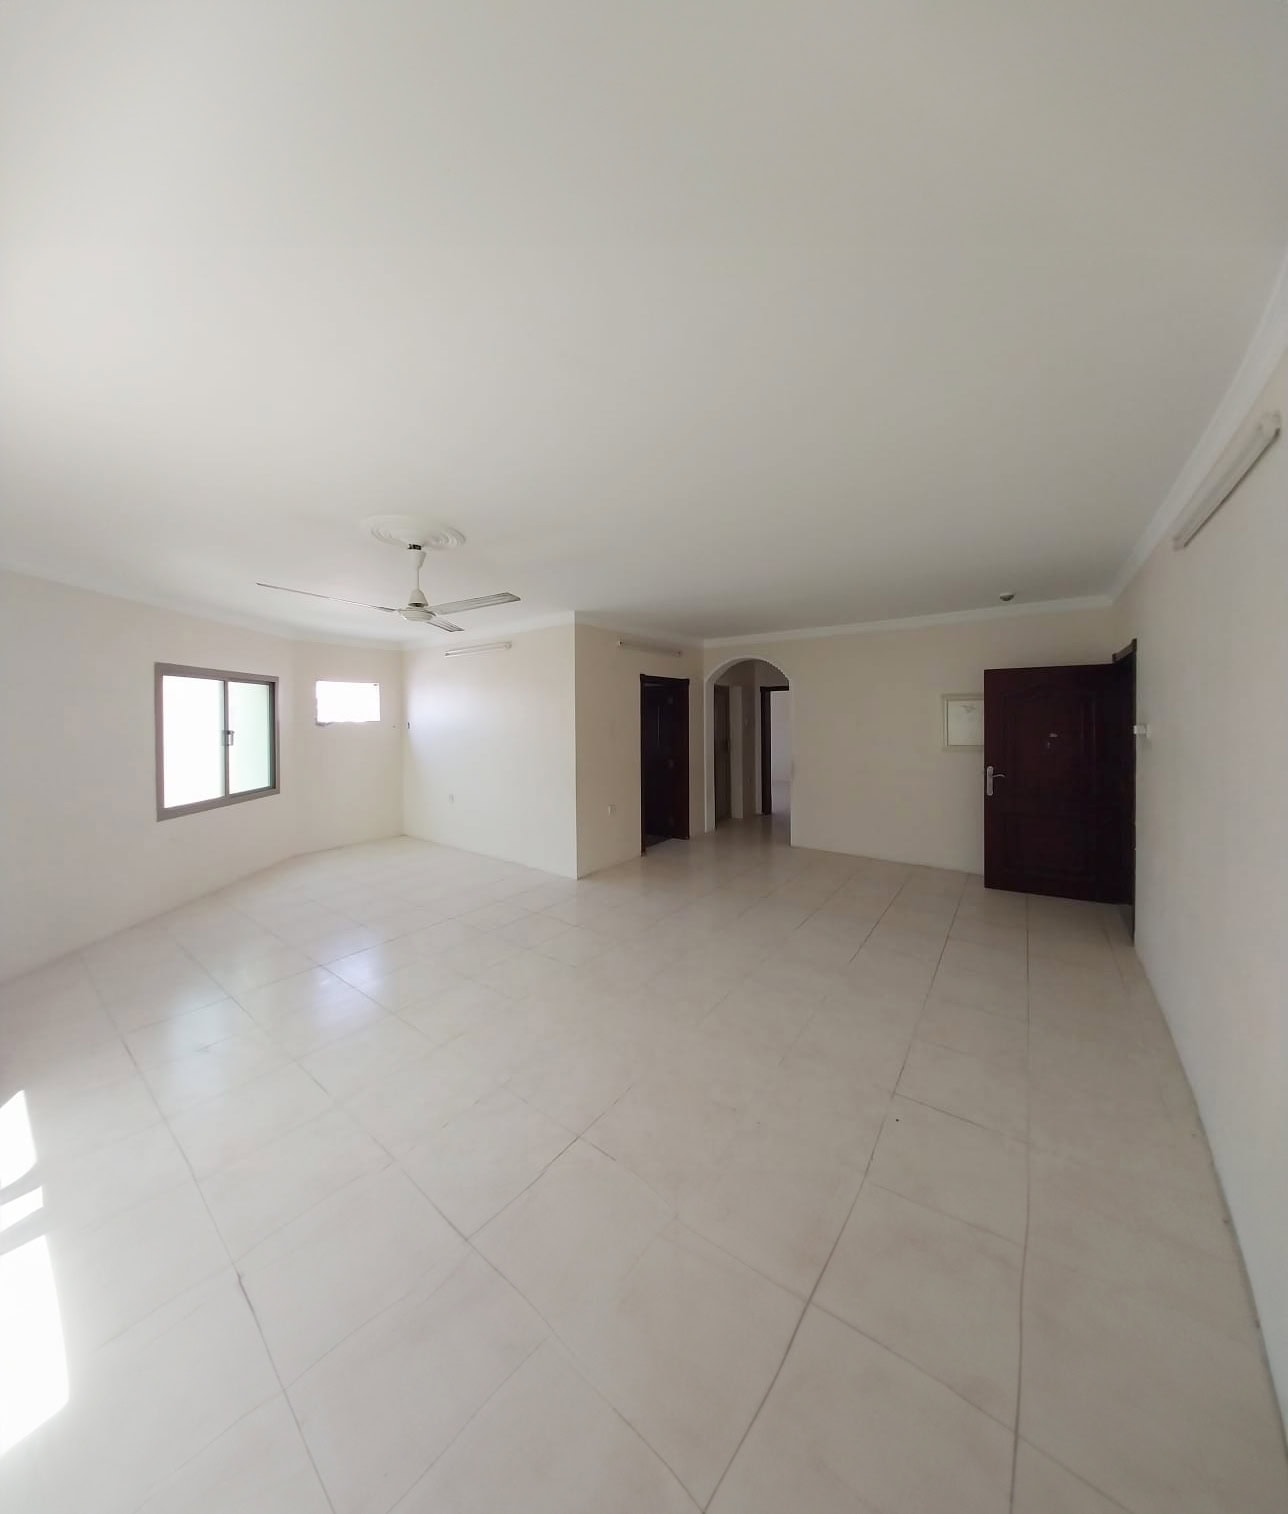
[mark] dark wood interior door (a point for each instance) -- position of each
(1056, 742)
(1125, 668)
(664, 757)
(723, 755)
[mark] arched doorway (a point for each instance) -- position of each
(748, 743)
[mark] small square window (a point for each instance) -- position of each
(347, 703)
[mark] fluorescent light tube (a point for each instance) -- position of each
(1258, 441)
(643, 646)
(483, 646)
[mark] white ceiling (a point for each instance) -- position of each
(714, 318)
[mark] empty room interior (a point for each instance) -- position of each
(643, 820)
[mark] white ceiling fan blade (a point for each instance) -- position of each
(442, 625)
(481, 603)
(282, 589)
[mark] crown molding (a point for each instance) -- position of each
(918, 622)
(262, 625)
(1265, 351)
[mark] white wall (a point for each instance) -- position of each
(608, 743)
(870, 772)
(490, 760)
(82, 853)
(1212, 844)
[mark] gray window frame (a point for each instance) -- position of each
(223, 676)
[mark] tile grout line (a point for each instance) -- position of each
(751, 1423)
(1028, 1211)
(241, 1288)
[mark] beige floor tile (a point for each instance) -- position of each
(259, 1193)
(260, 1465)
(381, 1407)
(1140, 1236)
(140, 1411)
(1043, 1486)
(984, 1092)
(220, 1131)
(213, 1071)
(1003, 964)
(324, 1275)
(664, 1133)
(999, 996)
(998, 933)
(1165, 1415)
(782, 1222)
(1100, 1128)
(839, 1040)
(575, 1084)
(937, 1291)
(345, 1067)
(686, 1351)
(483, 1157)
(963, 1169)
(414, 1100)
(547, 1443)
(576, 1233)
(850, 1427)
(728, 1017)
(116, 1273)
(975, 1032)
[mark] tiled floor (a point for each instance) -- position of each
(739, 1177)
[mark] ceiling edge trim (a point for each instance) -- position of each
(1268, 345)
(262, 626)
(645, 633)
(919, 622)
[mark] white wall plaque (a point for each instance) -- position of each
(963, 721)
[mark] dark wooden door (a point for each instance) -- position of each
(1056, 742)
(1125, 667)
(664, 757)
(723, 755)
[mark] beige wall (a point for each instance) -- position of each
(1212, 844)
(490, 750)
(608, 743)
(82, 853)
(870, 772)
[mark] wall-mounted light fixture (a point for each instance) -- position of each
(483, 646)
(644, 646)
(1257, 443)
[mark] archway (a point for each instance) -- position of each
(756, 695)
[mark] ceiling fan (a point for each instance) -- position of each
(417, 609)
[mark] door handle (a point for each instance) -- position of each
(989, 775)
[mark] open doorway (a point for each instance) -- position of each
(775, 750)
(749, 742)
(664, 759)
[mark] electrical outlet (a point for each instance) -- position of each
(612, 809)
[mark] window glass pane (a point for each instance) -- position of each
(192, 736)
(250, 719)
(347, 702)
